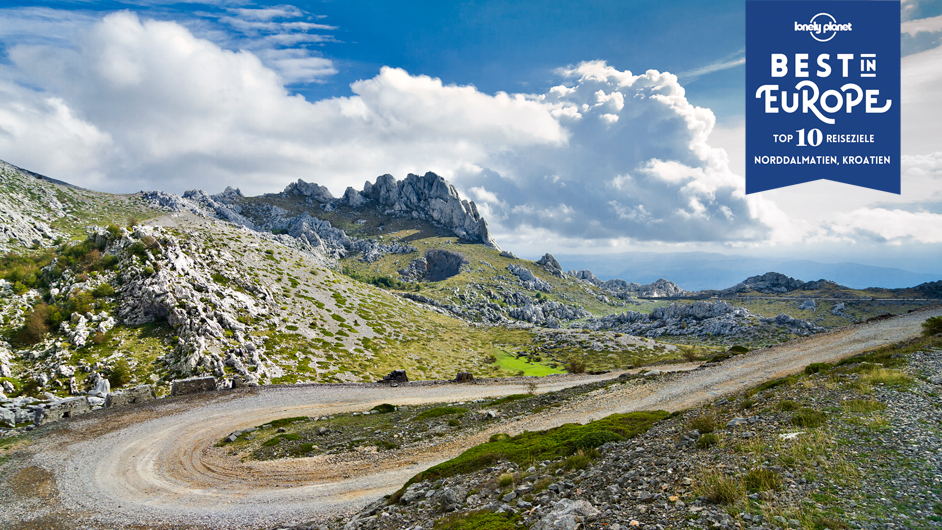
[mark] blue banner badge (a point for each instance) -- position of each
(822, 93)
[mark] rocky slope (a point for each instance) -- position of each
(826, 449)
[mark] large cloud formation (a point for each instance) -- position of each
(607, 156)
(637, 165)
(135, 104)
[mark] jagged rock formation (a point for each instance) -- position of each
(430, 197)
(313, 192)
(528, 279)
(700, 319)
(316, 236)
(550, 265)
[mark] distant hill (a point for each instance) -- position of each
(695, 271)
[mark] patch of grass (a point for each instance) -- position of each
(385, 408)
(580, 460)
(284, 422)
(829, 522)
(478, 520)
(707, 440)
(542, 445)
(787, 405)
(719, 488)
(506, 479)
(520, 366)
(508, 399)
(438, 412)
(768, 385)
(808, 417)
(746, 404)
(885, 376)
(932, 326)
(814, 368)
(761, 479)
(597, 438)
(863, 406)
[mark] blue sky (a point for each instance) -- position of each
(577, 127)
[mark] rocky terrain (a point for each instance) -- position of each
(299, 286)
(823, 449)
(702, 318)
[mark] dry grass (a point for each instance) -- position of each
(719, 488)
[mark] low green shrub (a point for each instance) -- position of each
(703, 424)
(103, 290)
(438, 412)
(707, 440)
(932, 326)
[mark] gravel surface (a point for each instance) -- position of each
(156, 466)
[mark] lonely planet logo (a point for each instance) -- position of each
(823, 27)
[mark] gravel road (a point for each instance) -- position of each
(156, 466)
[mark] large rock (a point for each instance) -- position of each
(138, 394)
(396, 376)
(192, 385)
(60, 410)
(314, 191)
(100, 386)
(567, 514)
(353, 198)
(430, 197)
(552, 266)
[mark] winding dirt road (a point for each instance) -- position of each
(155, 466)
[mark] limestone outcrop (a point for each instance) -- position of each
(430, 197)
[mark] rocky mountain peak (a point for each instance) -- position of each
(430, 197)
(549, 263)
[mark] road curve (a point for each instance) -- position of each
(156, 465)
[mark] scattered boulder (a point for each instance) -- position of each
(396, 376)
(567, 515)
(807, 304)
(192, 385)
(138, 394)
(100, 386)
(464, 377)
